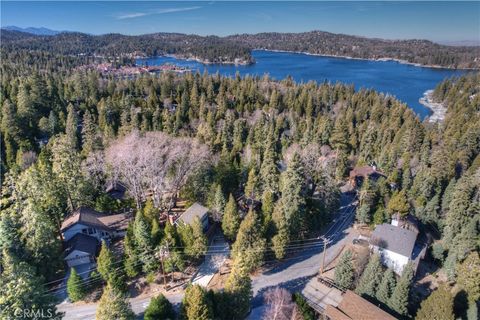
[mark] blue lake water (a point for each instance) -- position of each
(406, 82)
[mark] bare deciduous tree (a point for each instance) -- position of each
(280, 305)
(155, 164)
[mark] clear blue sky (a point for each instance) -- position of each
(437, 21)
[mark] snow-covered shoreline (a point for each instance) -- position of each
(438, 109)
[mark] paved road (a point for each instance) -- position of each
(292, 273)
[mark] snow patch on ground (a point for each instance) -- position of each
(438, 109)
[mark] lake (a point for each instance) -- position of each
(406, 82)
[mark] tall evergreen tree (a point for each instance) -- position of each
(239, 291)
(290, 211)
(144, 242)
(106, 262)
(344, 272)
(75, 286)
(252, 185)
(231, 219)
(71, 127)
(196, 305)
(159, 308)
(114, 305)
(371, 277)
(386, 287)
(23, 289)
(438, 305)
(399, 299)
(250, 244)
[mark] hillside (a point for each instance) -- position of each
(237, 48)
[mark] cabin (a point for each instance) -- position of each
(395, 245)
(95, 224)
(196, 210)
(84, 230)
(116, 190)
(359, 174)
(354, 307)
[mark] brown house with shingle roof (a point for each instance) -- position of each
(354, 307)
(93, 223)
(83, 230)
(359, 174)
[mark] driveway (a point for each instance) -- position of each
(218, 252)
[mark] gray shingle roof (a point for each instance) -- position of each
(81, 242)
(196, 210)
(394, 239)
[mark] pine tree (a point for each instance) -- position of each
(22, 289)
(156, 233)
(344, 271)
(437, 306)
(269, 172)
(371, 277)
(289, 213)
(218, 204)
(89, 134)
(159, 308)
(114, 305)
(131, 261)
(238, 289)
(75, 286)
(399, 299)
(386, 287)
(144, 242)
(267, 212)
(250, 244)
(398, 204)
(251, 187)
(71, 128)
(469, 276)
(196, 305)
(106, 262)
(199, 245)
(231, 219)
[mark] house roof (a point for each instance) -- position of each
(93, 218)
(355, 307)
(83, 243)
(364, 171)
(195, 210)
(395, 239)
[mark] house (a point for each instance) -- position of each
(83, 231)
(359, 174)
(93, 223)
(116, 190)
(194, 211)
(395, 246)
(80, 249)
(354, 307)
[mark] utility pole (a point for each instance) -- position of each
(325, 242)
(163, 253)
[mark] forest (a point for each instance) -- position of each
(285, 147)
(213, 49)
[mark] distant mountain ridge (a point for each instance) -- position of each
(237, 48)
(37, 31)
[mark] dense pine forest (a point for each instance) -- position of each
(66, 133)
(238, 47)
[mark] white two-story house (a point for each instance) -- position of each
(394, 244)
